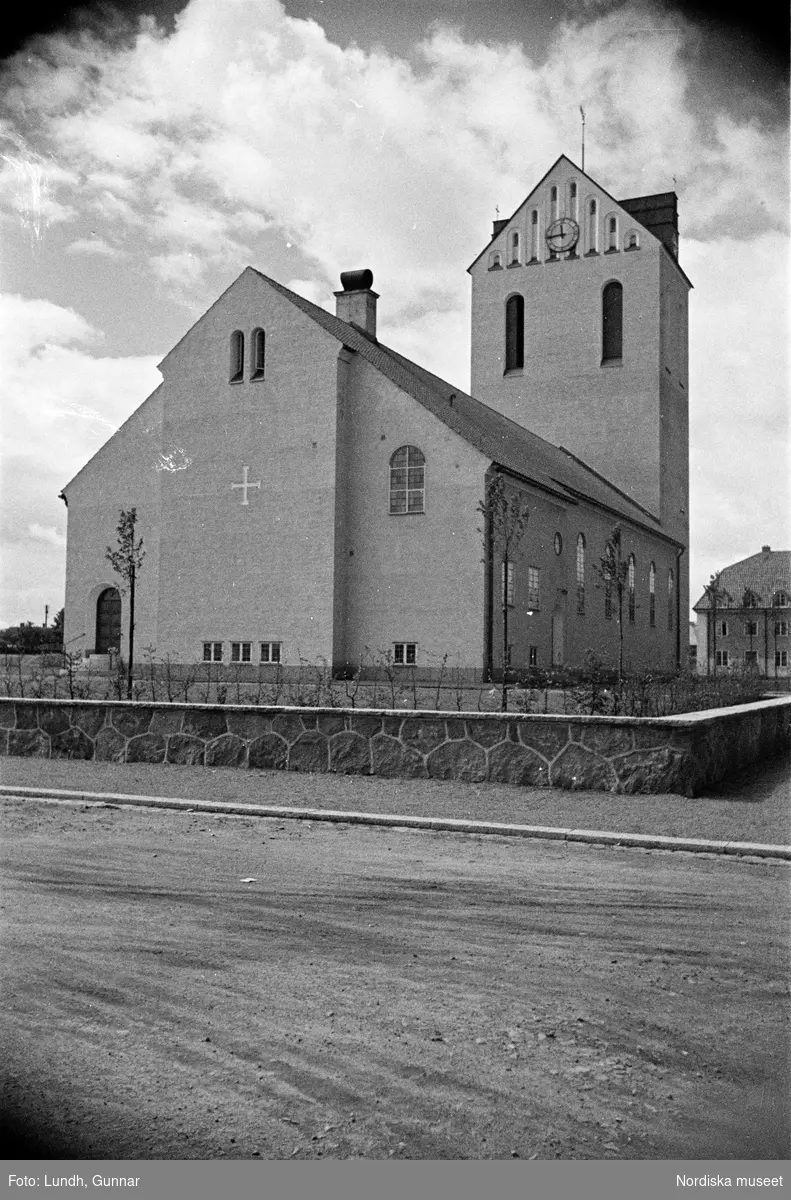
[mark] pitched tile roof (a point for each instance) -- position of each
(512, 447)
(764, 574)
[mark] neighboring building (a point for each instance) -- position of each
(316, 497)
(744, 616)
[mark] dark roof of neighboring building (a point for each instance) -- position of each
(763, 574)
(507, 444)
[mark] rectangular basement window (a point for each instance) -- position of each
(404, 654)
(240, 651)
(212, 651)
(270, 652)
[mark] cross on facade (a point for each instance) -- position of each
(245, 485)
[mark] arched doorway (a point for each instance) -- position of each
(108, 621)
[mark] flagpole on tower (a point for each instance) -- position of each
(582, 111)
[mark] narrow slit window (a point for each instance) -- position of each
(514, 255)
(593, 228)
(581, 573)
(671, 597)
(515, 333)
(612, 323)
(258, 364)
(237, 357)
(508, 584)
(534, 236)
(612, 234)
(573, 201)
(553, 204)
(631, 580)
(652, 595)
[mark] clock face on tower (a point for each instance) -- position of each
(563, 235)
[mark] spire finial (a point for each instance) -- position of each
(582, 114)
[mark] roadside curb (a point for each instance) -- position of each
(439, 824)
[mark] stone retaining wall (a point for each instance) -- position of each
(616, 754)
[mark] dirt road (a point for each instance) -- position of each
(177, 986)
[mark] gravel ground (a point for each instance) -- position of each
(753, 808)
(184, 986)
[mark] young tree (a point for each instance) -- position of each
(715, 594)
(505, 517)
(126, 561)
(613, 570)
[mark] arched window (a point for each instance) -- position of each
(258, 357)
(407, 481)
(652, 595)
(553, 204)
(495, 261)
(573, 200)
(612, 323)
(780, 599)
(631, 588)
(612, 234)
(108, 621)
(632, 241)
(581, 573)
(513, 257)
(534, 235)
(236, 374)
(593, 228)
(671, 597)
(514, 333)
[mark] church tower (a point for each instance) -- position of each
(579, 333)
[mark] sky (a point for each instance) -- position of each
(149, 152)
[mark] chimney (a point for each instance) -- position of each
(497, 226)
(357, 303)
(766, 549)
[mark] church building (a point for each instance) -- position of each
(307, 494)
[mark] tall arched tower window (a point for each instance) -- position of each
(553, 204)
(612, 234)
(534, 235)
(612, 322)
(631, 588)
(652, 595)
(581, 573)
(592, 227)
(258, 356)
(513, 256)
(573, 204)
(236, 373)
(407, 481)
(514, 333)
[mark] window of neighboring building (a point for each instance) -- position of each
(270, 652)
(781, 628)
(779, 600)
(652, 595)
(258, 362)
(404, 654)
(592, 228)
(212, 651)
(514, 333)
(241, 651)
(513, 256)
(534, 656)
(781, 658)
(751, 657)
(612, 322)
(722, 628)
(751, 628)
(507, 582)
(721, 658)
(533, 587)
(671, 597)
(407, 481)
(631, 580)
(581, 573)
(237, 357)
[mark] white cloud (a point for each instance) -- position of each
(47, 533)
(94, 246)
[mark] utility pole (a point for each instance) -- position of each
(582, 112)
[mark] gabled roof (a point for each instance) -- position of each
(565, 158)
(502, 441)
(763, 574)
